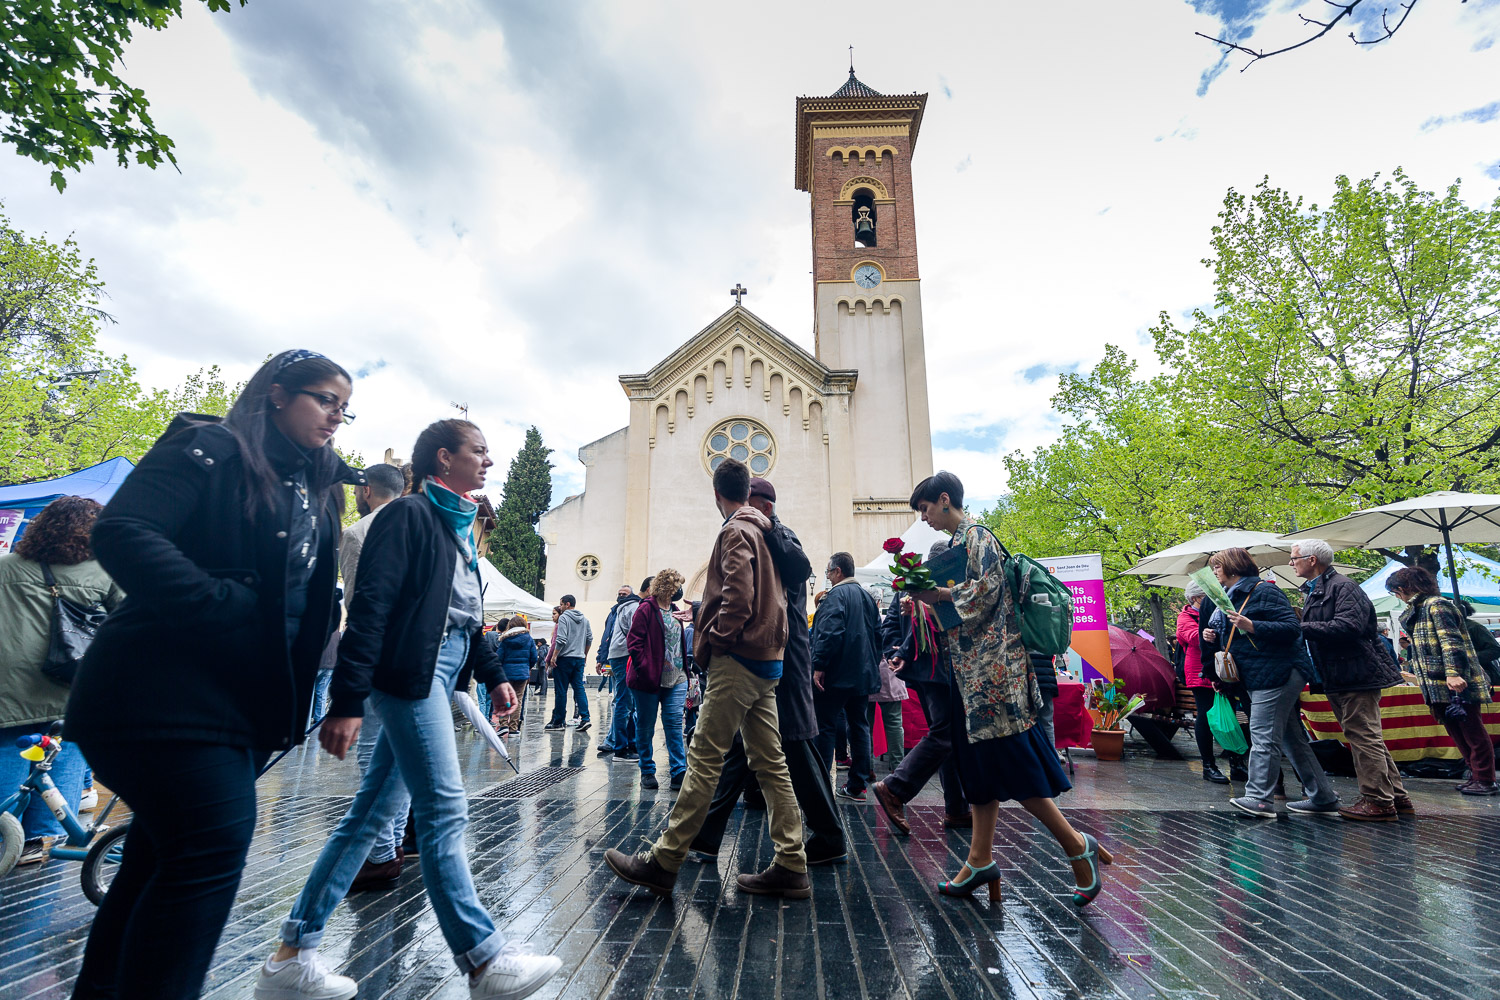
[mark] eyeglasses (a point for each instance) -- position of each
(1299, 558)
(330, 404)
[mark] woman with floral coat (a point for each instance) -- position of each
(1000, 749)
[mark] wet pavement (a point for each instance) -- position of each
(1199, 904)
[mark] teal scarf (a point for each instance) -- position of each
(458, 512)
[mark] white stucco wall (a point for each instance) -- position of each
(591, 523)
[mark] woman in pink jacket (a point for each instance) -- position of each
(1201, 686)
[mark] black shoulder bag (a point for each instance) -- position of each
(73, 628)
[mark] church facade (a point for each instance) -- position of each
(843, 432)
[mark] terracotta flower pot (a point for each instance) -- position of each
(1109, 744)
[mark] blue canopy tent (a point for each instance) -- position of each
(20, 503)
(1478, 581)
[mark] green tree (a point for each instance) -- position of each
(60, 95)
(515, 548)
(49, 295)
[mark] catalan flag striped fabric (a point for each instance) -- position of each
(1409, 728)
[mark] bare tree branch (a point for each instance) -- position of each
(1344, 10)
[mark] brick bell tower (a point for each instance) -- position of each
(854, 152)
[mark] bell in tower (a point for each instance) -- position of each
(864, 220)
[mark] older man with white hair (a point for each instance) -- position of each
(1339, 623)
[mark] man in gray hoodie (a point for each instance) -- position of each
(571, 642)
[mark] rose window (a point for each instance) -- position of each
(744, 441)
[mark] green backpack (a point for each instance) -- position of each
(1044, 603)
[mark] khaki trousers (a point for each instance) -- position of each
(734, 700)
(1358, 713)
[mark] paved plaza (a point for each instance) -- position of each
(1199, 904)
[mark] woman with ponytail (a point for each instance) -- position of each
(414, 624)
(224, 539)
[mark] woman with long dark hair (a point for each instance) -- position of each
(54, 550)
(224, 540)
(413, 626)
(1001, 751)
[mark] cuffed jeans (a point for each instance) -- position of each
(829, 705)
(621, 731)
(568, 675)
(810, 785)
(735, 701)
(320, 695)
(1275, 720)
(933, 753)
(1358, 714)
(670, 703)
(68, 768)
(416, 749)
(388, 837)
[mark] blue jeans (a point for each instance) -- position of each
(1276, 725)
(622, 716)
(568, 675)
(416, 751)
(389, 836)
(67, 774)
(320, 695)
(670, 703)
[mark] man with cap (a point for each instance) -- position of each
(794, 708)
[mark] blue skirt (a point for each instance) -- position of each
(1015, 767)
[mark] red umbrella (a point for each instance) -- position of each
(1144, 671)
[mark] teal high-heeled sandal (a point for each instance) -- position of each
(1093, 854)
(988, 875)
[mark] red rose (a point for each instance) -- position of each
(899, 583)
(893, 545)
(908, 560)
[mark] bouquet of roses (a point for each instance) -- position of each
(907, 568)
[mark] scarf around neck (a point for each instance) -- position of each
(457, 512)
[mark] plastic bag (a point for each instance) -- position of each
(1225, 727)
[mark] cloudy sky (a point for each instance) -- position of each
(509, 204)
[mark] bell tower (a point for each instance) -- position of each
(854, 150)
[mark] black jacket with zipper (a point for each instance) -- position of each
(399, 611)
(198, 649)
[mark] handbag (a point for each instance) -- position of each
(74, 626)
(1224, 665)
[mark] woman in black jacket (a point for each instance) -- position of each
(416, 614)
(224, 540)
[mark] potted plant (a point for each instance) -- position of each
(1111, 708)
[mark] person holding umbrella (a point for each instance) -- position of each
(1447, 670)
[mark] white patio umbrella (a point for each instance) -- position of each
(1265, 547)
(1434, 519)
(1286, 578)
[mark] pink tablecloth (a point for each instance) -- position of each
(1071, 720)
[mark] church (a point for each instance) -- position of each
(843, 433)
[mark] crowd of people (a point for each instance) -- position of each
(219, 561)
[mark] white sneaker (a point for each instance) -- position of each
(513, 974)
(88, 801)
(303, 978)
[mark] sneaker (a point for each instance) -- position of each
(676, 782)
(553, 727)
(1481, 788)
(776, 881)
(573, 721)
(1369, 811)
(648, 781)
(625, 753)
(583, 726)
(1307, 807)
(302, 978)
(842, 763)
(34, 851)
(845, 793)
(513, 974)
(88, 801)
(641, 870)
(1254, 807)
(605, 751)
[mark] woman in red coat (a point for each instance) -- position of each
(1201, 686)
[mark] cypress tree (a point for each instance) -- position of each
(515, 548)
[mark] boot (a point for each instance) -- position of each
(776, 881)
(642, 870)
(375, 877)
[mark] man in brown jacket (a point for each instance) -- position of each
(740, 637)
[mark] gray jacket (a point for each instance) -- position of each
(574, 634)
(624, 615)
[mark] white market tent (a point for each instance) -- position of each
(876, 575)
(503, 599)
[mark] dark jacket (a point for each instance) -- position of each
(794, 695)
(1267, 656)
(647, 645)
(846, 639)
(1046, 673)
(601, 655)
(517, 653)
(198, 650)
(898, 639)
(1485, 645)
(1338, 622)
(400, 610)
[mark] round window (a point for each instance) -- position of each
(588, 567)
(743, 441)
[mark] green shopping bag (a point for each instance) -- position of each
(1225, 727)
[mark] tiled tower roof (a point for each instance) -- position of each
(853, 88)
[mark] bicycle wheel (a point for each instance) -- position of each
(102, 862)
(12, 839)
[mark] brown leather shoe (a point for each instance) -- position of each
(377, 877)
(1404, 806)
(1365, 809)
(641, 870)
(964, 822)
(776, 881)
(894, 808)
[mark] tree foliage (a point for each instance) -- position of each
(61, 97)
(515, 548)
